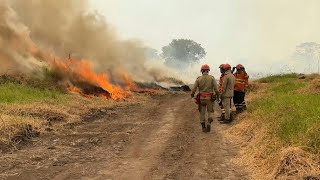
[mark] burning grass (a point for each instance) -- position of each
(42, 101)
(280, 131)
(27, 111)
(85, 80)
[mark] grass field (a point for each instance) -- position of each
(11, 92)
(283, 127)
(32, 106)
(293, 116)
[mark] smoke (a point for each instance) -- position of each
(268, 31)
(30, 31)
(17, 51)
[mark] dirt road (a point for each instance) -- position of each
(159, 139)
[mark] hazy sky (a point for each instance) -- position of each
(261, 34)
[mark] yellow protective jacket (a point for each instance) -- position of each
(206, 85)
(228, 85)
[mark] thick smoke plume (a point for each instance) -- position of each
(32, 31)
(17, 51)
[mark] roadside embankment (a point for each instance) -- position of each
(280, 132)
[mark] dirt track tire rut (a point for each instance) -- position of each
(159, 139)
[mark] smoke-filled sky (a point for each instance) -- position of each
(261, 34)
(35, 33)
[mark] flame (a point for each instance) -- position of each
(130, 86)
(82, 69)
(74, 89)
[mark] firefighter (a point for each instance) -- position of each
(220, 89)
(227, 91)
(240, 87)
(208, 92)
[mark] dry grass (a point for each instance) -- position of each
(250, 134)
(313, 76)
(264, 154)
(313, 86)
(255, 145)
(43, 115)
(14, 130)
(295, 163)
(30, 105)
(261, 158)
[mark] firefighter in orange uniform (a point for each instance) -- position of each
(240, 87)
(208, 92)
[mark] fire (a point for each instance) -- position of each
(74, 89)
(81, 71)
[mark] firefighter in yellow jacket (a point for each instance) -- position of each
(208, 92)
(222, 71)
(240, 87)
(227, 91)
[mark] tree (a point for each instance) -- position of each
(151, 53)
(180, 53)
(309, 51)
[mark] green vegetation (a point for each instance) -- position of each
(11, 92)
(278, 78)
(41, 86)
(293, 117)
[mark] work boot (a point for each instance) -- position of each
(238, 110)
(208, 127)
(210, 120)
(221, 117)
(204, 129)
(226, 121)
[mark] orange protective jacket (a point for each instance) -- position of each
(242, 81)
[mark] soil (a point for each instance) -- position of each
(157, 139)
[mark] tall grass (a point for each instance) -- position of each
(19, 93)
(41, 85)
(294, 118)
(278, 78)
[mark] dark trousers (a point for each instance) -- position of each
(238, 99)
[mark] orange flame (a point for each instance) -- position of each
(82, 69)
(74, 89)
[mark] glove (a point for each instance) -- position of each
(192, 95)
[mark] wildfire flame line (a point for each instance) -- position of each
(82, 69)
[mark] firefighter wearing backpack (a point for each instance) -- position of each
(240, 87)
(208, 92)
